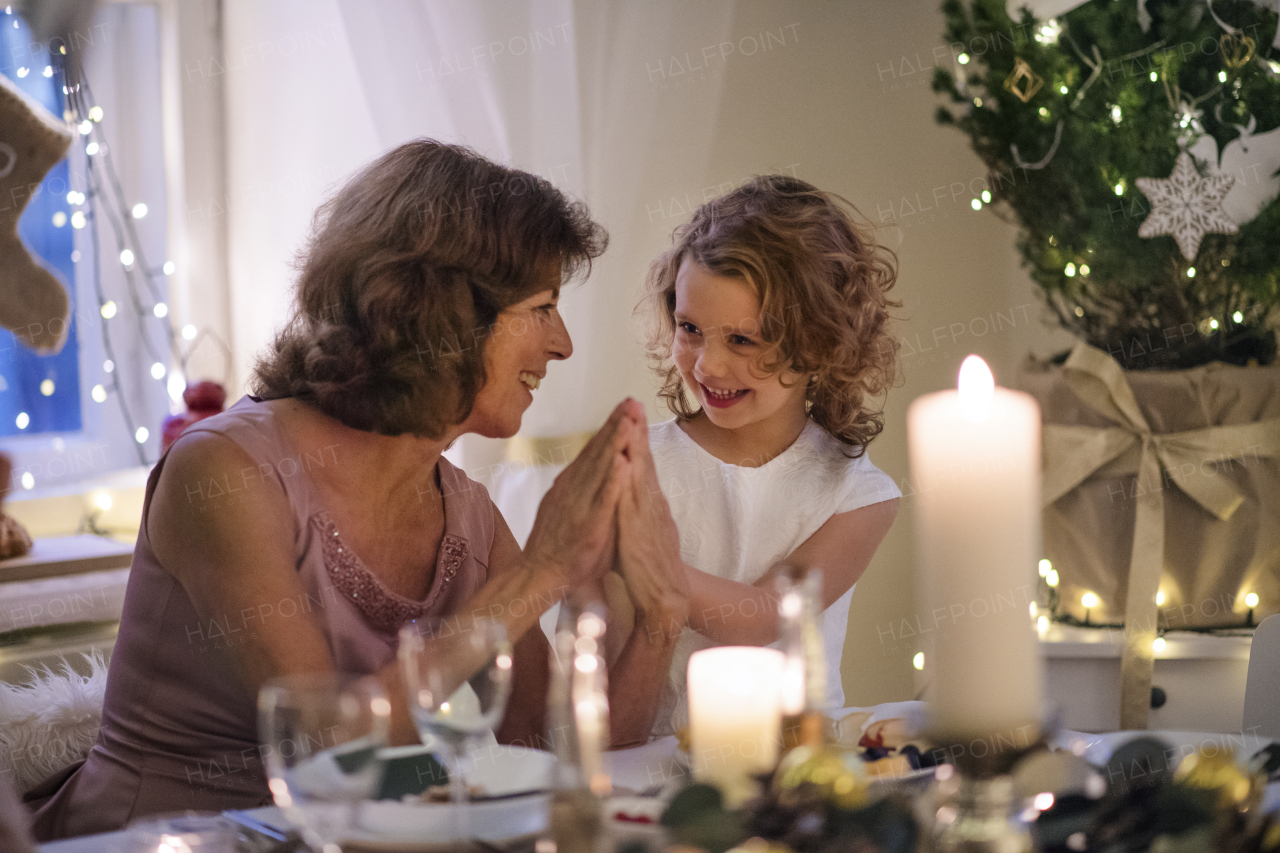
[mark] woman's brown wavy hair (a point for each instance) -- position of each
(403, 278)
(823, 284)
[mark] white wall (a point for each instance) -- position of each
(839, 99)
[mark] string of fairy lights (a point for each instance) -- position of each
(104, 198)
(1055, 611)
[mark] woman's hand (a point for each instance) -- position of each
(573, 533)
(649, 548)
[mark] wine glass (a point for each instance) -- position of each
(320, 734)
(457, 672)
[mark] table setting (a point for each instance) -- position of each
(762, 766)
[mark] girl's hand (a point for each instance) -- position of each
(573, 533)
(649, 548)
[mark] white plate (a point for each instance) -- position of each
(1098, 748)
(499, 771)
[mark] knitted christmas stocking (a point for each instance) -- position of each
(33, 305)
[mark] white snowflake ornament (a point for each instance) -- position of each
(1187, 206)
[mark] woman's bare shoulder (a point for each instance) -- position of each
(212, 498)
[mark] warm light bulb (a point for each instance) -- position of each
(23, 420)
(126, 257)
(101, 501)
(139, 210)
(175, 385)
(1042, 624)
(189, 332)
(160, 309)
(99, 394)
(1158, 644)
(918, 661)
(168, 268)
(28, 481)
(1045, 567)
(1251, 599)
(78, 220)
(108, 309)
(157, 371)
(1052, 578)
(46, 387)
(976, 386)
(141, 435)
(1160, 598)
(1089, 600)
(95, 113)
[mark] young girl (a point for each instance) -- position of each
(772, 340)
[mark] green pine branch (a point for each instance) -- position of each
(1117, 93)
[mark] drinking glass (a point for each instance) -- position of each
(457, 674)
(321, 733)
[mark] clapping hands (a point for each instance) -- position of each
(648, 551)
(606, 511)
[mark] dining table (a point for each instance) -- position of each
(645, 777)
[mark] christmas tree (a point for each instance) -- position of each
(1136, 144)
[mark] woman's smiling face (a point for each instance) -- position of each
(526, 336)
(718, 350)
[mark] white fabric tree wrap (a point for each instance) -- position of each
(33, 304)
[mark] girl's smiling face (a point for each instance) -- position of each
(718, 350)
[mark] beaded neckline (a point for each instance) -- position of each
(383, 608)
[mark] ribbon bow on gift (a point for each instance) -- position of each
(1073, 454)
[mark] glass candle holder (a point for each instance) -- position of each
(184, 832)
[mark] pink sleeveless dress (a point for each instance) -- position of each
(179, 727)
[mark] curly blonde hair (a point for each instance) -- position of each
(823, 284)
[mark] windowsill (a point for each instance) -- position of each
(60, 510)
(57, 556)
(1067, 641)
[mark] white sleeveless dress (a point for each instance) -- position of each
(736, 522)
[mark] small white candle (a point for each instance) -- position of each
(975, 461)
(735, 716)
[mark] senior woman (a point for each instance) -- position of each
(297, 531)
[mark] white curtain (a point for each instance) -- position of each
(611, 100)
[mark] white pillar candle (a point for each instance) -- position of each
(975, 462)
(735, 716)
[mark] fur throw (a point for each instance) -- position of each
(52, 722)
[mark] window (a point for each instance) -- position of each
(39, 394)
(97, 222)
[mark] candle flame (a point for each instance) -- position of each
(977, 386)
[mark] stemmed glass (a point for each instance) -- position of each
(321, 733)
(457, 672)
